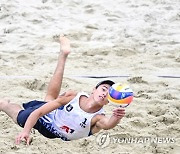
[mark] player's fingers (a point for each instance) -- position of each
(27, 140)
(119, 111)
(118, 114)
(18, 140)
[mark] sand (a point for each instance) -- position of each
(133, 42)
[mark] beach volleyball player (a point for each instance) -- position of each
(68, 116)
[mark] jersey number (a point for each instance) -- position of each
(69, 107)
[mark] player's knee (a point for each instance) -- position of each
(4, 102)
(70, 93)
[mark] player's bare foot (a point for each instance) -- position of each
(64, 45)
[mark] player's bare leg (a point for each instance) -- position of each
(10, 109)
(56, 81)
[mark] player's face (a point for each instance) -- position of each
(101, 93)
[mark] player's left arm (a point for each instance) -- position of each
(46, 108)
(103, 122)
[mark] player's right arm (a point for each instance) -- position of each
(100, 121)
(46, 108)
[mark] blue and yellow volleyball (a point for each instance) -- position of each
(120, 94)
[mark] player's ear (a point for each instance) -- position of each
(93, 90)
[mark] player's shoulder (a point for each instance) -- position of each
(69, 93)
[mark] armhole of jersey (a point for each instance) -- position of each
(90, 133)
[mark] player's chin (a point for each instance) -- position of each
(105, 102)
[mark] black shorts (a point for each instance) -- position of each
(24, 114)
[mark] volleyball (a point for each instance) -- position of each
(120, 94)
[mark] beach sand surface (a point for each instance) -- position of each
(128, 41)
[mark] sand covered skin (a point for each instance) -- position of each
(139, 39)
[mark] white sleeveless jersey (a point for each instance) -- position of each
(69, 122)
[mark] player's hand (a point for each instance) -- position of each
(23, 136)
(119, 113)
